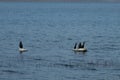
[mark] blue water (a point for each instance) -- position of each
(49, 32)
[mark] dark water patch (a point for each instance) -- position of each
(89, 68)
(98, 37)
(12, 71)
(71, 78)
(65, 65)
(118, 75)
(69, 39)
(103, 48)
(2, 65)
(69, 65)
(56, 41)
(109, 48)
(91, 63)
(38, 59)
(84, 64)
(93, 69)
(116, 69)
(51, 25)
(102, 63)
(99, 63)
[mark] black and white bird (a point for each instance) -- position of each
(21, 49)
(80, 47)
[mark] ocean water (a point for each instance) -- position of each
(49, 32)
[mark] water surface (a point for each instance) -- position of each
(49, 32)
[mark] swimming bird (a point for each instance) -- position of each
(21, 49)
(80, 48)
